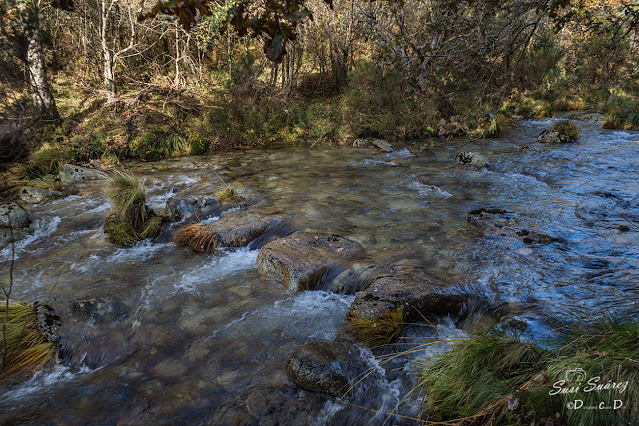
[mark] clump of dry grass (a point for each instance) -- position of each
(28, 348)
(378, 331)
(197, 237)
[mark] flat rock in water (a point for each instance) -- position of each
(29, 194)
(419, 296)
(382, 145)
(498, 222)
(473, 159)
(237, 229)
(319, 366)
(74, 174)
(305, 261)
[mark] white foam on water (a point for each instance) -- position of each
(158, 202)
(210, 220)
(402, 153)
(42, 228)
(309, 315)
(217, 266)
(369, 162)
(43, 380)
(429, 191)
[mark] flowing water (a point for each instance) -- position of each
(184, 337)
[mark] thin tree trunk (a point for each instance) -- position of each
(33, 57)
(109, 78)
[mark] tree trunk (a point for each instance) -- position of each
(33, 57)
(109, 78)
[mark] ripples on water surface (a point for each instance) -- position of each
(189, 332)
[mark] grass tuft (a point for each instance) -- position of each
(130, 220)
(197, 237)
(378, 331)
(567, 128)
(228, 195)
(475, 379)
(28, 349)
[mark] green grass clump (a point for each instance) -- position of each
(377, 331)
(227, 195)
(621, 113)
(130, 220)
(28, 348)
(567, 128)
(475, 379)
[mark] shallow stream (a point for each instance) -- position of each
(185, 335)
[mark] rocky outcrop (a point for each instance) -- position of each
(549, 136)
(419, 296)
(498, 222)
(473, 159)
(20, 220)
(319, 366)
(29, 194)
(307, 261)
(73, 174)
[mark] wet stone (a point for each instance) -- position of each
(307, 261)
(201, 207)
(30, 194)
(419, 296)
(319, 366)
(103, 309)
(473, 159)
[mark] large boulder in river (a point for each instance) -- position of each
(319, 366)
(306, 261)
(234, 229)
(499, 222)
(473, 159)
(418, 295)
(74, 174)
(20, 220)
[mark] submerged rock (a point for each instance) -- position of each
(103, 309)
(473, 159)
(548, 136)
(269, 405)
(201, 207)
(319, 366)
(73, 174)
(494, 221)
(305, 261)
(20, 220)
